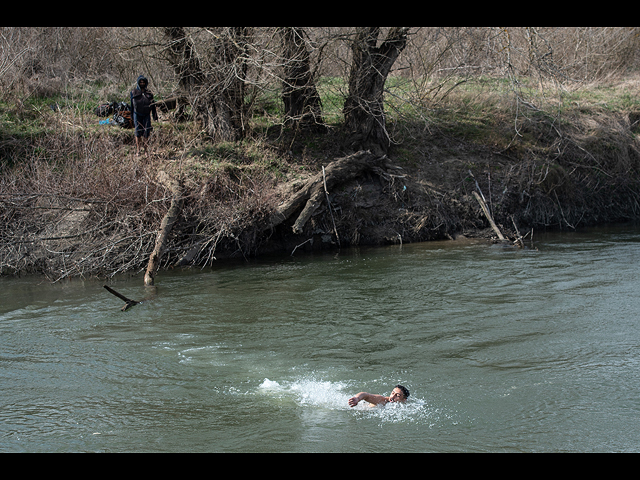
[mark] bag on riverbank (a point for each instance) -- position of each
(106, 110)
(121, 113)
(123, 116)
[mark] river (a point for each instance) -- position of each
(503, 351)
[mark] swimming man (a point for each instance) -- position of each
(399, 395)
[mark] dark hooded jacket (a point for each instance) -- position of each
(142, 101)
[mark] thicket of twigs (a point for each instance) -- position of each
(98, 213)
(580, 54)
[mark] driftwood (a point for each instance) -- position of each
(315, 191)
(518, 242)
(128, 302)
(487, 214)
(168, 222)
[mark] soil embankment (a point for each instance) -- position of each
(98, 212)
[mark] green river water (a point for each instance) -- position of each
(503, 351)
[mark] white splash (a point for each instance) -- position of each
(269, 385)
(321, 394)
(334, 396)
(308, 392)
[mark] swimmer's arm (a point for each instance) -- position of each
(367, 397)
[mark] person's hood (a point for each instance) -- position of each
(141, 78)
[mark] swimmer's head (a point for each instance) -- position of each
(400, 394)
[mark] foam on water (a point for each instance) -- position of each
(269, 385)
(309, 392)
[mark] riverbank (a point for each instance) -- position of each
(76, 202)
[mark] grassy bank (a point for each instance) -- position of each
(76, 202)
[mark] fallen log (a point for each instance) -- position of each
(167, 225)
(315, 191)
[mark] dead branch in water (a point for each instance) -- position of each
(519, 239)
(326, 191)
(167, 225)
(128, 302)
(487, 214)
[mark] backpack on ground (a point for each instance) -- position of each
(106, 110)
(123, 116)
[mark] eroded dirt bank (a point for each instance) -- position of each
(100, 214)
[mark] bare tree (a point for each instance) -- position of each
(365, 120)
(302, 103)
(216, 80)
(12, 49)
(183, 59)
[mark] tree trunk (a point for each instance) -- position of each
(218, 91)
(303, 106)
(182, 57)
(365, 120)
(224, 111)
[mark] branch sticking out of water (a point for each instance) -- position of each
(487, 214)
(128, 302)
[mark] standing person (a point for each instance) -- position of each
(143, 108)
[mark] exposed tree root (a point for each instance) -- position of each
(314, 192)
